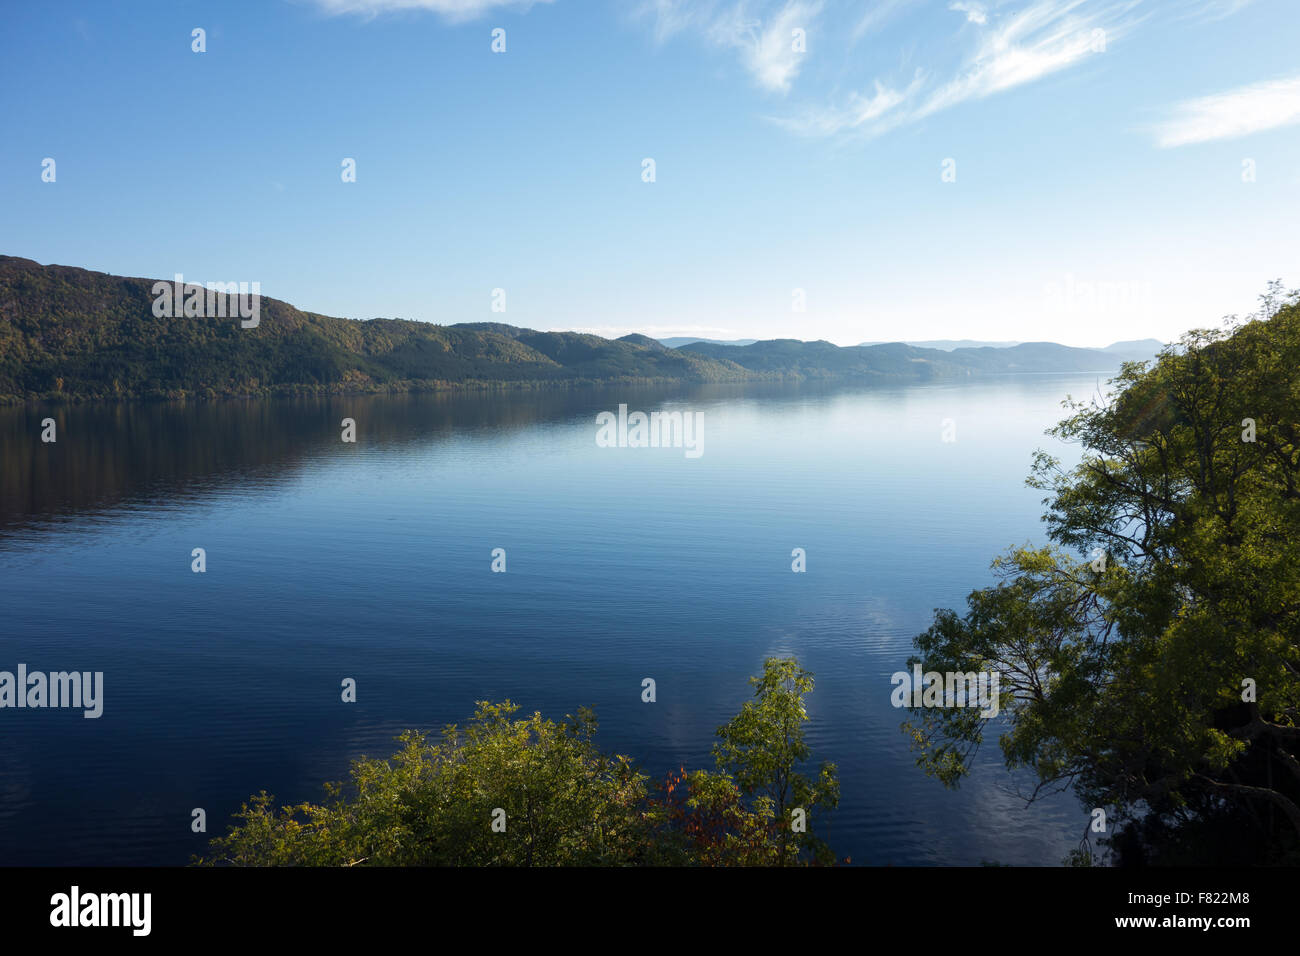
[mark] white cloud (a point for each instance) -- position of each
(1212, 10)
(1019, 42)
(670, 16)
(975, 12)
(765, 43)
(878, 14)
(456, 10)
(767, 50)
(1234, 113)
(1044, 37)
(874, 110)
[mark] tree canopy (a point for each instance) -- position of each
(506, 790)
(1150, 656)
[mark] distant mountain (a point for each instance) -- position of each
(1049, 356)
(1136, 347)
(677, 343)
(69, 333)
(822, 360)
(636, 338)
(947, 345)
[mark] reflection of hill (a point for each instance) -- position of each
(111, 454)
(114, 454)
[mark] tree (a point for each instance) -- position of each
(759, 755)
(1158, 672)
(554, 797)
(557, 798)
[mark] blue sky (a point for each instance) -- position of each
(1119, 168)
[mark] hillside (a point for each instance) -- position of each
(75, 334)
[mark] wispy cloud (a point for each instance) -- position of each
(767, 49)
(875, 111)
(1008, 44)
(764, 40)
(975, 12)
(878, 14)
(670, 16)
(1208, 11)
(1044, 37)
(455, 10)
(1231, 114)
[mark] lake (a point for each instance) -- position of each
(372, 560)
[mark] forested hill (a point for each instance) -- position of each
(72, 333)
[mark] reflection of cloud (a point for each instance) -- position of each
(1234, 113)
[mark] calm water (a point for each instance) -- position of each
(371, 560)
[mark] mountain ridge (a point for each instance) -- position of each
(74, 334)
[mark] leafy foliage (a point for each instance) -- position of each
(1163, 686)
(565, 802)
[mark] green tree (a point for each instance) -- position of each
(760, 754)
(565, 802)
(1157, 673)
(433, 803)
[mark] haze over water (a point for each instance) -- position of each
(371, 560)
